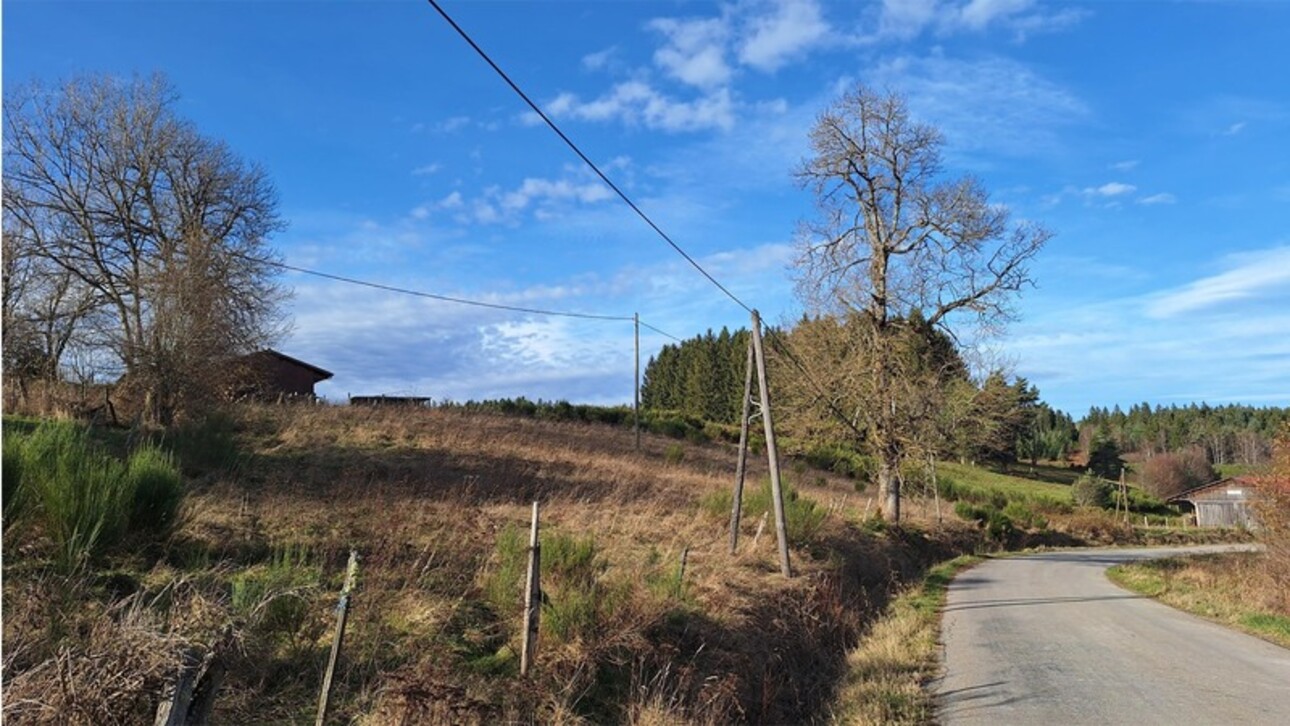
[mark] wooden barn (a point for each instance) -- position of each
(270, 376)
(1224, 503)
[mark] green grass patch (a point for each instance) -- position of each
(982, 486)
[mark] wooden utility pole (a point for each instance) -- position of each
(736, 505)
(1124, 494)
(342, 614)
(532, 598)
(772, 452)
(636, 392)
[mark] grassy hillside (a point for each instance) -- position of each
(436, 502)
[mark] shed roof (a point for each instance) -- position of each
(320, 374)
(1227, 488)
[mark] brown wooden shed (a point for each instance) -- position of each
(1224, 503)
(270, 375)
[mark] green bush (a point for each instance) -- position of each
(674, 454)
(158, 491)
(1023, 516)
(1091, 490)
(82, 496)
(998, 526)
(803, 516)
(840, 459)
(85, 500)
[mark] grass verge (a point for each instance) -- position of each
(888, 671)
(1224, 588)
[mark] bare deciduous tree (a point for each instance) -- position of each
(164, 229)
(893, 236)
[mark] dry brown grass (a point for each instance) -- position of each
(1236, 589)
(424, 495)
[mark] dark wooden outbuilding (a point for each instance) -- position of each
(1224, 503)
(270, 375)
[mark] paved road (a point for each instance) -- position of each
(1047, 639)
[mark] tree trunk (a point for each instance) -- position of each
(889, 484)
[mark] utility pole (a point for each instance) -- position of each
(772, 452)
(636, 392)
(736, 505)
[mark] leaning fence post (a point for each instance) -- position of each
(342, 614)
(532, 598)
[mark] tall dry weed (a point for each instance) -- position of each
(1273, 510)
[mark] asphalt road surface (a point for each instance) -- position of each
(1047, 639)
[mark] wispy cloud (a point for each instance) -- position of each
(639, 103)
(427, 169)
(1126, 165)
(1234, 129)
(1111, 189)
(1161, 198)
(991, 103)
(1251, 274)
(1218, 338)
(907, 19)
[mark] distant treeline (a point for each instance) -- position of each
(1232, 434)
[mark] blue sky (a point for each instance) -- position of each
(1152, 137)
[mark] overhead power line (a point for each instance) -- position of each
(660, 332)
(435, 296)
(450, 299)
(569, 142)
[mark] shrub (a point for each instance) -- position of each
(1165, 475)
(674, 454)
(1023, 516)
(82, 494)
(84, 499)
(157, 489)
(1091, 490)
(803, 516)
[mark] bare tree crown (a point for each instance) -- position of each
(893, 234)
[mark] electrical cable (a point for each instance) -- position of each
(569, 142)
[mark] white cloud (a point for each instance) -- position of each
(599, 59)
(535, 190)
(978, 14)
(776, 38)
(636, 102)
(1161, 198)
(1111, 189)
(426, 169)
(992, 103)
(907, 19)
(1127, 165)
(1252, 275)
(695, 50)
(1235, 129)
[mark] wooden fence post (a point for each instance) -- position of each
(342, 614)
(532, 598)
(736, 505)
